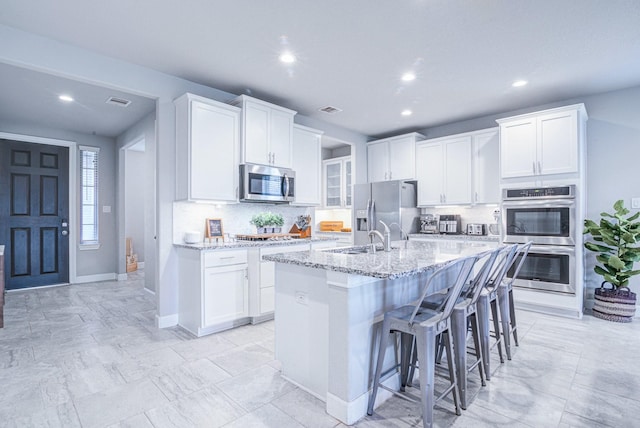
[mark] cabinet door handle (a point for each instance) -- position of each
(274, 158)
(227, 258)
(385, 175)
(390, 175)
(476, 196)
(534, 167)
(539, 168)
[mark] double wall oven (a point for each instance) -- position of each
(547, 217)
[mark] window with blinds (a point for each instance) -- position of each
(89, 196)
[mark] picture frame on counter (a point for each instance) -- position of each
(214, 229)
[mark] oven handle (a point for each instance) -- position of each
(553, 249)
(539, 203)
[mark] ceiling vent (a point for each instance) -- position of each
(118, 101)
(330, 109)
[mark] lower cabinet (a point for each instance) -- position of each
(213, 290)
(263, 280)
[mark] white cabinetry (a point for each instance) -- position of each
(486, 170)
(307, 164)
(443, 170)
(263, 278)
(267, 132)
(337, 182)
(542, 143)
(392, 158)
(213, 290)
(207, 134)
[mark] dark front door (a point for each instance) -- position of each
(34, 213)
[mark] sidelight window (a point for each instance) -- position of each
(89, 197)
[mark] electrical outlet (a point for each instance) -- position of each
(635, 203)
(302, 298)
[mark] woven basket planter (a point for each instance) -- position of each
(611, 304)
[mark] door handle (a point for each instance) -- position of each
(64, 233)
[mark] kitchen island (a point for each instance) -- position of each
(330, 305)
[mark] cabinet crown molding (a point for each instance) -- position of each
(577, 107)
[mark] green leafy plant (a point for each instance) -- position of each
(259, 220)
(616, 238)
(277, 220)
(267, 219)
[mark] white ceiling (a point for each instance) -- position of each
(351, 53)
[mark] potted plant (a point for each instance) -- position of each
(259, 221)
(277, 221)
(616, 244)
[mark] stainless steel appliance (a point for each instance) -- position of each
(262, 183)
(547, 268)
(476, 229)
(545, 215)
(429, 223)
(450, 224)
(393, 202)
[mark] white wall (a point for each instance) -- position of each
(134, 190)
(145, 129)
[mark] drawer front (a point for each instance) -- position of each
(222, 258)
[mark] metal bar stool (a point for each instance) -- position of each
(487, 307)
(505, 299)
(463, 317)
(425, 324)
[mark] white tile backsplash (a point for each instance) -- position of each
(343, 215)
(189, 216)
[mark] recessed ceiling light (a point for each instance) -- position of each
(406, 112)
(408, 77)
(65, 98)
(288, 58)
(519, 83)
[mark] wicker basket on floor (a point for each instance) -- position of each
(611, 304)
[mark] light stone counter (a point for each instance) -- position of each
(438, 236)
(418, 257)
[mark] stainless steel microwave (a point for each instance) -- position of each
(263, 183)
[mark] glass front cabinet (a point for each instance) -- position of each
(337, 182)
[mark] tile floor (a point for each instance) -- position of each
(89, 356)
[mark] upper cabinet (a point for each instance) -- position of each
(542, 143)
(267, 132)
(207, 141)
(392, 158)
(486, 171)
(337, 182)
(443, 170)
(307, 164)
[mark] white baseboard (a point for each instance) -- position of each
(95, 278)
(166, 321)
(140, 265)
(351, 412)
(122, 277)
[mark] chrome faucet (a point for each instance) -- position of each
(404, 236)
(385, 239)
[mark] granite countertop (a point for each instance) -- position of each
(251, 244)
(461, 237)
(418, 257)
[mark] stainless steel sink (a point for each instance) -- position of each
(364, 249)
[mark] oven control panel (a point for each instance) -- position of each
(539, 192)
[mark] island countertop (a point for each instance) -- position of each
(416, 258)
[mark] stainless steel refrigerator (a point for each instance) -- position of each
(393, 202)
